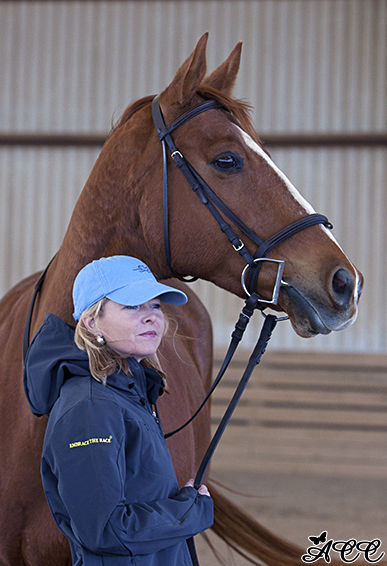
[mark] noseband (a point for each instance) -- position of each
(216, 206)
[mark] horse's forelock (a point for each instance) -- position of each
(239, 109)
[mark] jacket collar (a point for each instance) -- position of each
(147, 381)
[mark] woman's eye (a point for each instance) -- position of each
(227, 162)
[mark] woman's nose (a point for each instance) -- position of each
(149, 315)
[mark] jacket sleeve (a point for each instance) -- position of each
(83, 476)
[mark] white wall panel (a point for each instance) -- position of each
(307, 65)
(312, 66)
(39, 188)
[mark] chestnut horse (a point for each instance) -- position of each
(120, 212)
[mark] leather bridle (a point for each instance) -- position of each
(216, 206)
(253, 263)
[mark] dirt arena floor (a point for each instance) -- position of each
(307, 446)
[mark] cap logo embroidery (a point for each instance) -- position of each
(142, 269)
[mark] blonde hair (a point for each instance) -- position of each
(103, 360)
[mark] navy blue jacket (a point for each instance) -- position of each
(106, 469)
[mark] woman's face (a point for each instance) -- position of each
(131, 331)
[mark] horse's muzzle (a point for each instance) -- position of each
(313, 314)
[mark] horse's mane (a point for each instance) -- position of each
(240, 110)
(130, 110)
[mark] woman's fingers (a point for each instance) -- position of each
(202, 489)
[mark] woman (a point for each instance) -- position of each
(106, 470)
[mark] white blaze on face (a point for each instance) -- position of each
(300, 199)
(291, 188)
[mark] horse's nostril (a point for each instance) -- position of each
(339, 282)
(342, 285)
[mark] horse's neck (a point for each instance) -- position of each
(107, 218)
(91, 234)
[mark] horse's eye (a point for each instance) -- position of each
(227, 162)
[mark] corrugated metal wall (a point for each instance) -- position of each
(309, 66)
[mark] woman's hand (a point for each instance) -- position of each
(202, 489)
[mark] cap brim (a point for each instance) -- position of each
(135, 294)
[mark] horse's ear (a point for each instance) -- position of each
(224, 77)
(189, 76)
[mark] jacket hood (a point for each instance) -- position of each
(52, 357)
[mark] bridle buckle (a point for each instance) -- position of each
(239, 246)
(278, 279)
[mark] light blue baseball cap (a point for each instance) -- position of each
(123, 279)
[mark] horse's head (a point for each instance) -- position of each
(320, 286)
